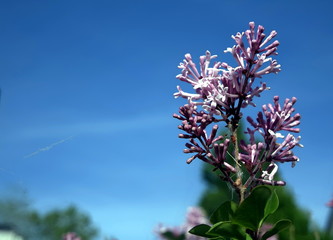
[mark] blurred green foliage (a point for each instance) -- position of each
(51, 225)
(15, 213)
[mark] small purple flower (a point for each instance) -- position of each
(330, 204)
(71, 236)
(194, 217)
(163, 232)
(251, 153)
(266, 227)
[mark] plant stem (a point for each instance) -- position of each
(238, 183)
(233, 126)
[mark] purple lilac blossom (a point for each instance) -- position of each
(330, 204)
(164, 232)
(194, 124)
(221, 90)
(71, 236)
(269, 123)
(194, 217)
(266, 227)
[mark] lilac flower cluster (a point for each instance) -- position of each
(269, 123)
(221, 91)
(194, 217)
(194, 123)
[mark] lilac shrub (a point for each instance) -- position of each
(220, 93)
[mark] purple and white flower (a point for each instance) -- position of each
(220, 91)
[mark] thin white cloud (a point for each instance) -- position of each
(47, 148)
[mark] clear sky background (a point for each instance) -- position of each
(89, 84)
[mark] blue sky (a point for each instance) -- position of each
(89, 84)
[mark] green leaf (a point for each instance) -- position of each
(272, 204)
(201, 230)
(223, 212)
(248, 237)
(253, 211)
(278, 227)
(229, 230)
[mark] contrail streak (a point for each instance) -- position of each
(48, 147)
